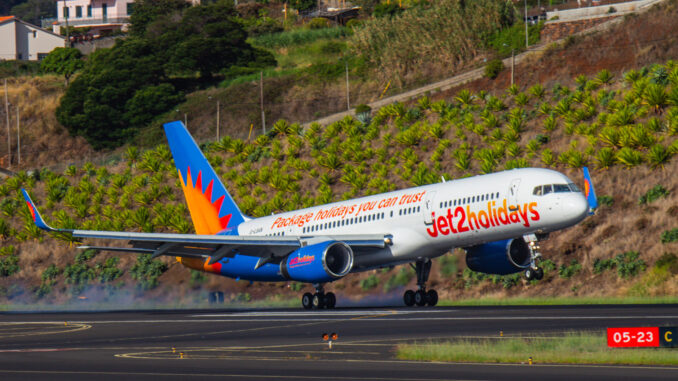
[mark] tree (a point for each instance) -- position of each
(148, 11)
(123, 88)
(207, 39)
(33, 11)
(63, 61)
(95, 104)
(303, 5)
(7, 5)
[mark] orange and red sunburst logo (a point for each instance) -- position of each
(204, 212)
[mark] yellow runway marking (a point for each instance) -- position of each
(16, 329)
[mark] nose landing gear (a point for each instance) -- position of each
(421, 297)
(534, 271)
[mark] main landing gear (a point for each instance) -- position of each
(319, 300)
(533, 271)
(421, 297)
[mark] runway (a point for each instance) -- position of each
(287, 344)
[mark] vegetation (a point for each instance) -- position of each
(424, 37)
(147, 271)
(610, 122)
(493, 68)
(63, 61)
(628, 264)
(123, 88)
(570, 348)
(669, 236)
(657, 192)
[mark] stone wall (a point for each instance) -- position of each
(556, 30)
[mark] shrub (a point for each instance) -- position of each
(605, 200)
(353, 23)
(669, 236)
(147, 271)
(197, 278)
(50, 274)
(600, 265)
(570, 270)
(493, 68)
(318, 23)
(369, 282)
(668, 261)
(629, 264)
(387, 10)
(653, 194)
(9, 265)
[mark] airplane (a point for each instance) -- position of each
(498, 218)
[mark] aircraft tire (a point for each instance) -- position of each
(432, 298)
(318, 301)
(529, 274)
(539, 273)
(330, 300)
(408, 298)
(420, 298)
(307, 301)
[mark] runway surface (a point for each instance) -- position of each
(287, 344)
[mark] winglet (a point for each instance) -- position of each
(589, 192)
(37, 218)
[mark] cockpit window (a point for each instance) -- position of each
(541, 190)
(547, 189)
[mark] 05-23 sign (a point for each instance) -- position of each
(666, 337)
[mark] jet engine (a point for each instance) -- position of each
(500, 257)
(318, 263)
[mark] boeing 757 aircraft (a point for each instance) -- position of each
(497, 218)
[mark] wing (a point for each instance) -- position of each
(214, 247)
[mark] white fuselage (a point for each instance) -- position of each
(430, 220)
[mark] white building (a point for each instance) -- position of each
(24, 41)
(98, 15)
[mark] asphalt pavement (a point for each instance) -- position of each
(287, 343)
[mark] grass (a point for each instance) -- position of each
(571, 348)
(297, 37)
(556, 301)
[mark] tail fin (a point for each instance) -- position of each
(37, 218)
(212, 208)
(589, 192)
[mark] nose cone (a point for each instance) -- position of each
(575, 207)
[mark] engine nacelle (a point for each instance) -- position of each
(500, 257)
(319, 263)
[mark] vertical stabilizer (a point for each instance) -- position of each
(212, 208)
(589, 192)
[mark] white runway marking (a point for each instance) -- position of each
(325, 313)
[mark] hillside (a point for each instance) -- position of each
(567, 112)
(44, 142)
(624, 128)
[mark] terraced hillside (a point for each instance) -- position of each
(624, 128)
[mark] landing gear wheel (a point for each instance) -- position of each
(318, 301)
(307, 301)
(529, 274)
(539, 273)
(330, 300)
(431, 298)
(420, 298)
(408, 298)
